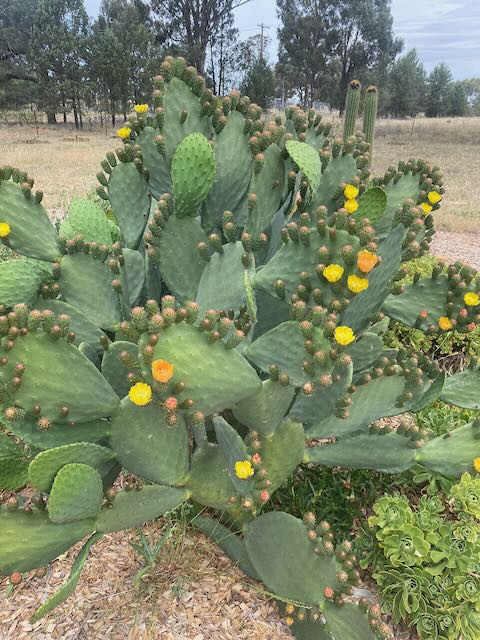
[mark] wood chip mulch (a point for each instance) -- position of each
(196, 593)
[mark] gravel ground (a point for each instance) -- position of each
(457, 246)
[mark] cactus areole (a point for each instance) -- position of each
(231, 313)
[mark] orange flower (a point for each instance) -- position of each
(162, 370)
(366, 260)
(445, 323)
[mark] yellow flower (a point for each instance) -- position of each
(124, 133)
(366, 260)
(333, 272)
(350, 205)
(476, 464)
(426, 207)
(445, 323)
(162, 370)
(140, 108)
(356, 284)
(434, 197)
(4, 229)
(351, 192)
(140, 394)
(344, 335)
(471, 299)
(244, 469)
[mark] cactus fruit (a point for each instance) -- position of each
(236, 312)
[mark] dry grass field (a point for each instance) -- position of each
(450, 143)
(64, 163)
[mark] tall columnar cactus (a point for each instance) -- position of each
(352, 104)
(370, 108)
(232, 313)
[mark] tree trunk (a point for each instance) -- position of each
(64, 109)
(75, 113)
(112, 111)
(51, 117)
(80, 116)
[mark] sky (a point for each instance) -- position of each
(441, 30)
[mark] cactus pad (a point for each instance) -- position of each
(215, 377)
(364, 305)
(308, 161)
(85, 218)
(20, 280)
(285, 560)
(234, 449)
(451, 454)
(266, 186)
(115, 371)
(180, 263)
(371, 204)
(284, 347)
(132, 509)
(233, 168)
(389, 453)
(193, 173)
(76, 494)
(155, 162)
(461, 389)
(229, 264)
(146, 446)
(282, 452)
(209, 482)
(322, 402)
(48, 364)
(86, 284)
(85, 330)
(370, 401)
(264, 410)
(13, 473)
(58, 435)
(128, 191)
(45, 465)
(30, 540)
(31, 232)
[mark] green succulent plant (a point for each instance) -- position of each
(229, 312)
(466, 495)
(431, 582)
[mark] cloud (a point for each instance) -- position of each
(441, 31)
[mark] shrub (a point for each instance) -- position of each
(232, 333)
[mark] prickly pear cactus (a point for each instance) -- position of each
(232, 314)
